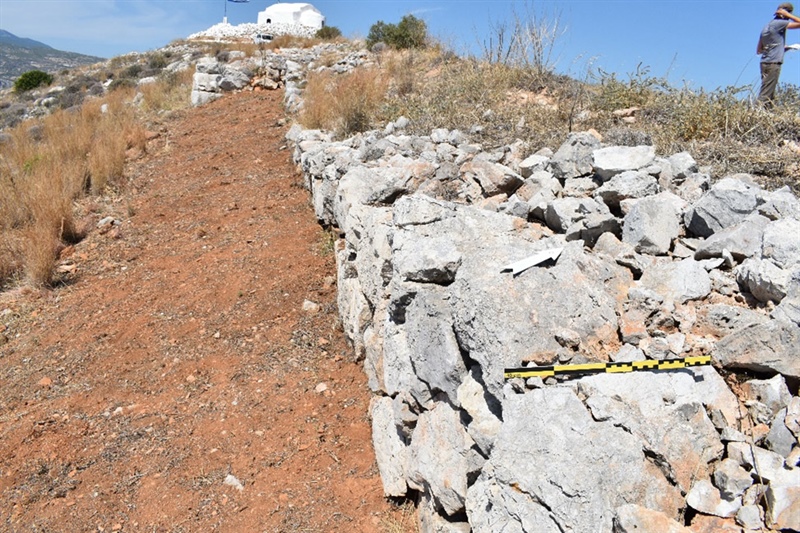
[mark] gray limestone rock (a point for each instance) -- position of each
(563, 213)
(773, 393)
(789, 308)
(428, 329)
(353, 307)
(208, 65)
(742, 240)
(516, 207)
(425, 259)
(779, 439)
(235, 78)
(693, 187)
(764, 465)
(768, 347)
(613, 160)
(726, 204)
(765, 280)
(678, 281)
(204, 82)
(782, 242)
(722, 319)
(432, 521)
(438, 458)
(594, 226)
(391, 453)
(731, 479)
(582, 187)
(629, 184)
(499, 320)
(705, 497)
(781, 204)
(203, 97)
(667, 412)
(653, 223)
(537, 182)
(574, 158)
(368, 248)
(554, 468)
(632, 518)
(683, 165)
(484, 424)
(627, 354)
(492, 177)
(783, 501)
(792, 419)
(401, 340)
(533, 163)
(370, 186)
(749, 517)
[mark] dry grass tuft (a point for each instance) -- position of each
(345, 103)
(403, 520)
(171, 92)
(39, 252)
(291, 41)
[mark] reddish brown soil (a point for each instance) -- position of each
(178, 352)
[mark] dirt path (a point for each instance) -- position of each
(180, 354)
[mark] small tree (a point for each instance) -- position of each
(328, 33)
(411, 32)
(31, 80)
(378, 33)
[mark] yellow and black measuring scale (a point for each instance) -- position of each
(606, 368)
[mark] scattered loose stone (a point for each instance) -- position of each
(231, 481)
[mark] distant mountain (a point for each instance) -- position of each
(6, 37)
(19, 55)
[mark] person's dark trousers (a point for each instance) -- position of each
(770, 72)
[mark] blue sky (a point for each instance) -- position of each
(706, 44)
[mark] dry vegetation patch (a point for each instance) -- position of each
(500, 102)
(49, 163)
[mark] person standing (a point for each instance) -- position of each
(771, 47)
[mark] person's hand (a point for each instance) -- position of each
(783, 13)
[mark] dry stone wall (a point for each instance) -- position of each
(659, 261)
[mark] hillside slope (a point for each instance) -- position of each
(195, 346)
(19, 55)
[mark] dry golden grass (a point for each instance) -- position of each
(171, 92)
(403, 520)
(291, 41)
(345, 103)
(39, 253)
(10, 255)
(51, 162)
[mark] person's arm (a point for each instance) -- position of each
(794, 18)
(760, 47)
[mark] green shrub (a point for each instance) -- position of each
(328, 33)
(378, 33)
(410, 32)
(122, 83)
(157, 61)
(133, 71)
(31, 80)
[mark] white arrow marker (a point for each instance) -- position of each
(537, 258)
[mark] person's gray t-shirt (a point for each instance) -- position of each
(773, 41)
